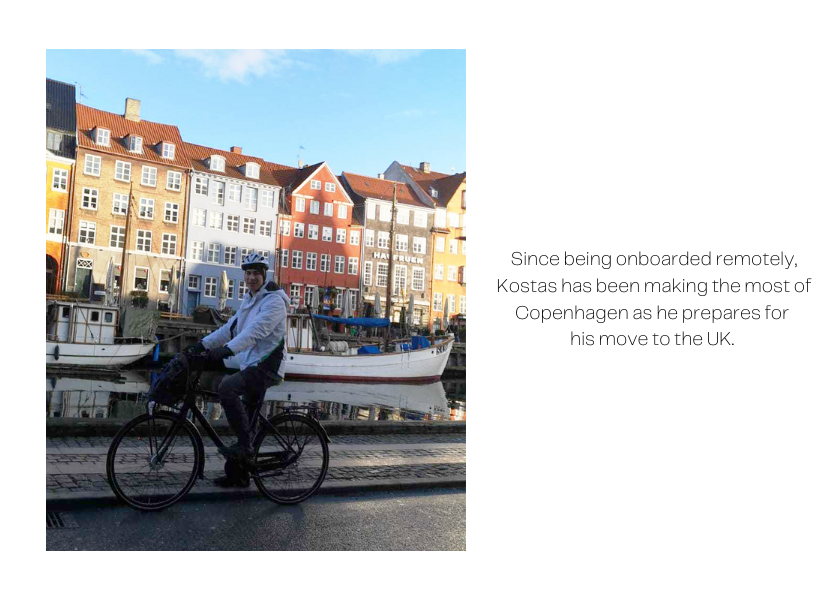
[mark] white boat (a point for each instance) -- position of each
(85, 334)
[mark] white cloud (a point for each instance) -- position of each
(238, 65)
(153, 57)
(385, 57)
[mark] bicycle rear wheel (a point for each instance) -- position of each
(292, 458)
(137, 473)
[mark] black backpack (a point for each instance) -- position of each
(170, 384)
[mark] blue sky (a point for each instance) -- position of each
(358, 110)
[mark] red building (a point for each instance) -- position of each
(318, 242)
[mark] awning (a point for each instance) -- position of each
(358, 321)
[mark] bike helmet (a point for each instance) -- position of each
(254, 260)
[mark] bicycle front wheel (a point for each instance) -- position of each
(144, 474)
(292, 458)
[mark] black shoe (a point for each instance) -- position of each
(237, 454)
(225, 481)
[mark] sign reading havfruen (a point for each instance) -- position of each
(399, 258)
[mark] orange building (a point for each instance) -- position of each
(61, 152)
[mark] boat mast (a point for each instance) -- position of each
(125, 243)
(391, 264)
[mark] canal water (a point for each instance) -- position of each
(84, 396)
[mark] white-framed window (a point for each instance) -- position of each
(352, 294)
(249, 225)
(294, 294)
(328, 209)
(313, 232)
(141, 278)
(453, 246)
(464, 247)
(385, 212)
(143, 241)
(314, 207)
(418, 278)
(214, 252)
(400, 277)
(122, 172)
(300, 204)
(339, 264)
(169, 244)
(340, 236)
(230, 255)
(464, 200)
(440, 244)
(93, 165)
(284, 258)
(353, 265)
(54, 141)
(201, 185)
(401, 243)
(368, 238)
(329, 186)
(267, 198)
(117, 237)
(299, 230)
(168, 150)
(419, 218)
(103, 137)
(246, 251)
(250, 198)
(148, 176)
(326, 234)
(309, 295)
(233, 223)
(241, 294)
(135, 144)
(440, 218)
(210, 284)
(383, 240)
(200, 217)
(311, 261)
(217, 193)
(234, 192)
(197, 251)
(450, 299)
(403, 216)
(454, 219)
(368, 272)
(434, 192)
(339, 293)
(437, 304)
(326, 261)
(120, 205)
(462, 306)
(342, 211)
(315, 185)
(463, 219)
(452, 273)
(252, 170)
(59, 179)
(90, 198)
(297, 259)
(439, 271)
(265, 228)
(370, 210)
(194, 282)
(354, 237)
(56, 224)
(419, 245)
(163, 282)
(215, 220)
(147, 208)
(170, 213)
(286, 227)
(217, 163)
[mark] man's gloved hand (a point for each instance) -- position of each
(220, 353)
(196, 349)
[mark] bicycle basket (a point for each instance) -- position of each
(171, 383)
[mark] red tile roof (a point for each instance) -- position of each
(270, 173)
(382, 189)
(446, 185)
(87, 119)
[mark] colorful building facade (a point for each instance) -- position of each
(61, 159)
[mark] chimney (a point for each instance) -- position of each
(236, 149)
(382, 176)
(424, 166)
(132, 110)
(300, 164)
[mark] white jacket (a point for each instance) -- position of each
(258, 327)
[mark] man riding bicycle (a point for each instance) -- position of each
(256, 334)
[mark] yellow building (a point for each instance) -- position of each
(60, 156)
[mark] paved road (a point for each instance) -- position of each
(420, 520)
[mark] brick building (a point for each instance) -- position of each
(61, 159)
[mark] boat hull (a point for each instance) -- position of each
(95, 355)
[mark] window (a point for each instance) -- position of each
(201, 186)
(439, 271)
(147, 208)
(234, 192)
(194, 282)
(450, 299)
(438, 302)
(210, 287)
(314, 207)
(462, 308)
(419, 245)
(163, 285)
(298, 230)
(401, 244)
(217, 163)
(452, 273)
(54, 141)
(368, 272)
(342, 211)
(300, 204)
(249, 225)
(231, 283)
(385, 213)
(328, 209)
(169, 244)
(168, 150)
(120, 204)
(241, 293)
(381, 274)
(308, 295)
(59, 180)
(141, 278)
(352, 294)
(252, 170)
(329, 187)
(135, 144)
(213, 251)
(354, 237)
(246, 251)
(440, 218)
(144, 241)
(93, 165)
(233, 223)
(56, 225)
(286, 227)
(215, 221)
(313, 232)
(419, 219)
(311, 260)
(418, 277)
(440, 244)
(464, 247)
(265, 228)
(453, 219)
(122, 171)
(170, 214)
(297, 259)
(284, 258)
(340, 236)
(267, 198)
(434, 192)
(370, 210)
(295, 294)
(326, 261)
(149, 176)
(217, 193)
(117, 237)
(90, 198)
(200, 217)
(464, 206)
(400, 277)
(103, 137)
(250, 198)
(326, 234)
(453, 246)
(315, 185)
(368, 238)
(197, 251)
(383, 240)
(403, 215)
(339, 264)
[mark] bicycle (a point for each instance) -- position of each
(156, 458)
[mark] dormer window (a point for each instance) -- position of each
(103, 137)
(252, 170)
(167, 150)
(434, 192)
(135, 144)
(217, 163)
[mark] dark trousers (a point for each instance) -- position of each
(251, 384)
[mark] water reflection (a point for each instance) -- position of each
(125, 397)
